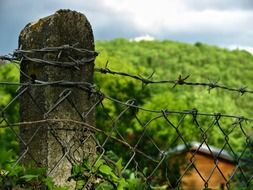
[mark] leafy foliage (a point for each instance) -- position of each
(104, 176)
(169, 60)
(8, 141)
(28, 178)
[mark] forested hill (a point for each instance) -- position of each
(169, 59)
(153, 133)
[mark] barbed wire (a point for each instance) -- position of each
(92, 89)
(179, 81)
(19, 55)
(144, 80)
(141, 151)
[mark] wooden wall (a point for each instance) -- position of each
(206, 167)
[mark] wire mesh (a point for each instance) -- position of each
(164, 148)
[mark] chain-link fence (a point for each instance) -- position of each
(131, 146)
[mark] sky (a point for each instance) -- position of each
(225, 23)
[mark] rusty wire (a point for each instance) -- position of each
(179, 81)
(159, 162)
(145, 81)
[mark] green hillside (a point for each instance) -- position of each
(202, 62)
(168, 60)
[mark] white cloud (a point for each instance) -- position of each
(143, 38)
(159, 15)
(189, 20)
(234, 47)
(148, 15)
(219, 22)
(220, 4)
(248, 49)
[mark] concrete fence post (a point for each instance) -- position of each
(57, 144)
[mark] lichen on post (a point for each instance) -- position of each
(57, 143)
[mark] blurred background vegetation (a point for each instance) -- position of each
(168, 59)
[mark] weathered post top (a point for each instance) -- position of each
(63, 27)
(57, 145)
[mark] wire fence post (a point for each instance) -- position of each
(54, 142)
